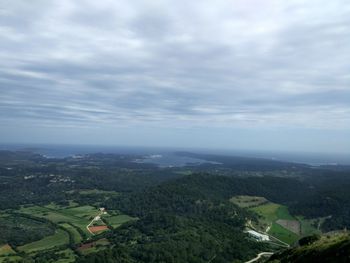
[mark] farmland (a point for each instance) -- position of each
(246, 201)
(79, 220)
(117, 220)
(279, 223)
(56, 228)
(58, 239)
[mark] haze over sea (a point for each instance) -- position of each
(167, 156)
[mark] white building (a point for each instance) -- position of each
(258, 236)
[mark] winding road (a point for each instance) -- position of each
(259, 256)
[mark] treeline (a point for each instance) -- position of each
(330, 198)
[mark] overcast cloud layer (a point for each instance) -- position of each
(243, 66)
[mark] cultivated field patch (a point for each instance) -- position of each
(98, 229)
(116, 221)
(291, 225)
(77, 238)
(77, 216)
(58, 239)
(246, 201)
(271, 214)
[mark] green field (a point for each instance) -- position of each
(77, 216)
(308, 225)
(116, 221)
(76, 235)
(72, 221)
(55, 206)
(58, 239)
(10, 259)
(283, 234)
(269, 214)
(66, 256)
(86, 211)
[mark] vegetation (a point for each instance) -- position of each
(271, 217)
(329, 248)
(189, 214)
(118, 220)
(247, 201)
(58, 239)
(18, 230)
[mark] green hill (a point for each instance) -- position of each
(327, 248)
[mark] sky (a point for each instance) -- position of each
(238, 74)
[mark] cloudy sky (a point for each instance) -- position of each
(234, 74)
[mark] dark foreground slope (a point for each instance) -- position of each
(328, 249)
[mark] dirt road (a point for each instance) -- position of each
(259, 256)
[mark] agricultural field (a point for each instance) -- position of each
(93, 246)
(246, 201)
(79, 217)
(283, 234)
(77, 238)
(311, 226)
(53, 227)
(117, 220)
(10, 259)
(66, 256)
(276, 220)
(58, 239)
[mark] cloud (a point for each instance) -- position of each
(176, 63)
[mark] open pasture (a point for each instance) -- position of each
(58, 239)
(116, 221)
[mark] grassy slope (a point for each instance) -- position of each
(66, 256)
(9, 259)
(64, 215)
(77, 237)
(58, 239)
(116, 221)
(335, 248)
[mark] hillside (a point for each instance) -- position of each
(328, 248)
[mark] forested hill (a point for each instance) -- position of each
(186, 220)
(206, 186)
